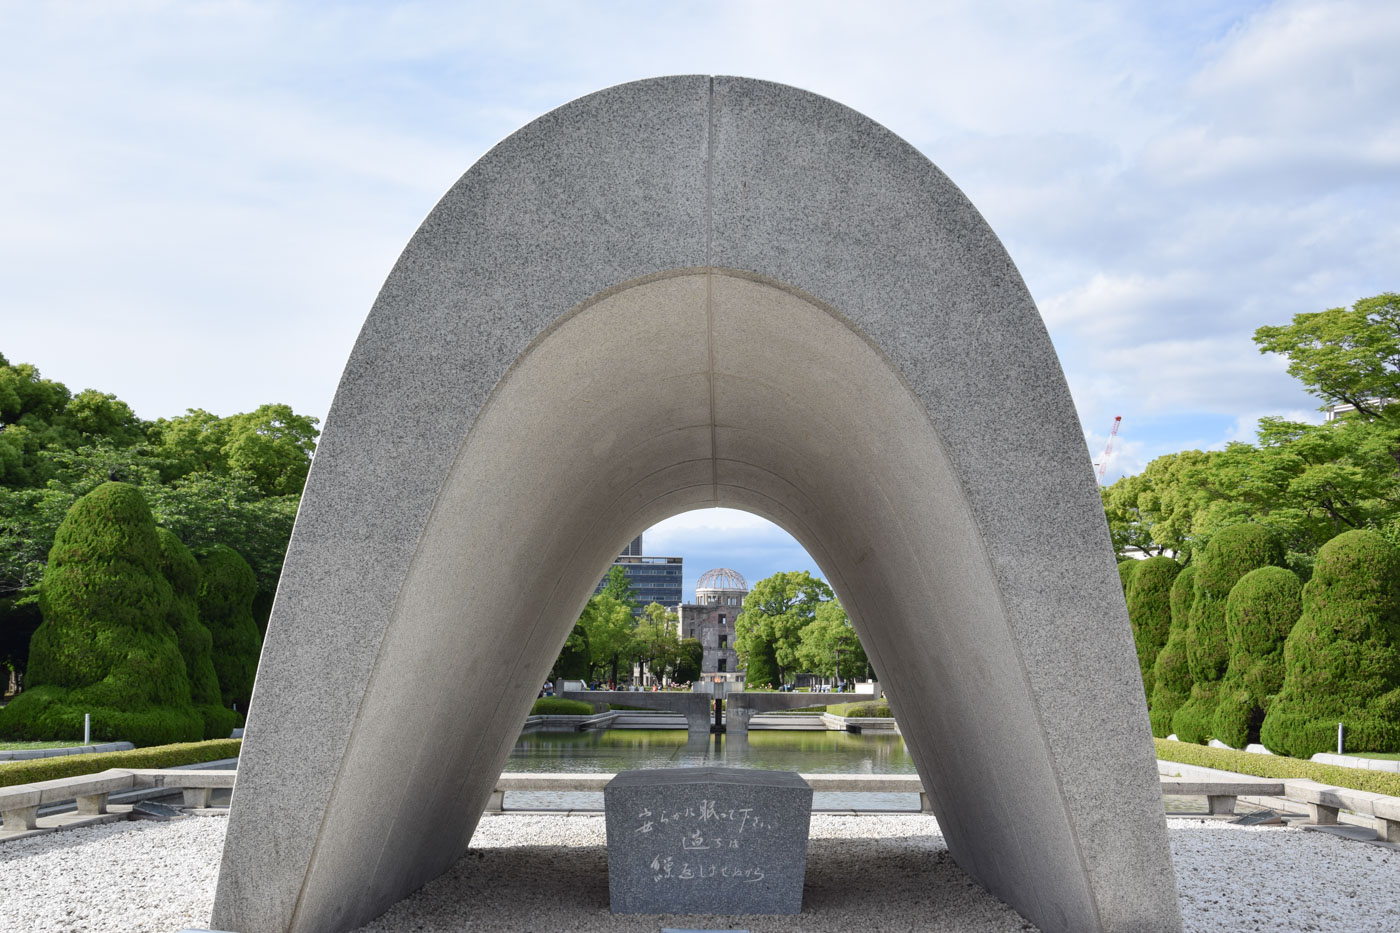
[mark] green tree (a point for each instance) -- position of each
(30, 409)
(688, 659)
(105, 646)
(1129, 523)
(273, 446)
(655, 640)
(769, 629)
(1260, 612)
(573, 661)
(610, 626)
(1171, 674)
(227, 586)
(828, 645)
(1150, 611)
(1343, 356)
(181, 569)
(95, 418)
(1342, 659)
(191, 443)
(617, 585)
(1232, 553)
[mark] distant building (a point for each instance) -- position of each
(719, 598)
(653, 579)
(1339, 411)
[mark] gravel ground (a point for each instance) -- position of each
(524, 872)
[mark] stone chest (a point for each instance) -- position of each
(707, 841)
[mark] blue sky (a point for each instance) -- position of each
(202, 199)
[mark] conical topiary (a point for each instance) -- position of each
(1126, 569)
(1231, 553)
(196, 644)
(1171, 676)
(1150, 611)
(1259, 613)
(1342, 659)
(105, 647)
(226, 589)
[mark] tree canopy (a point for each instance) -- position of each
(1308, 482)
(775, 612)
(610, 627)
(232, 480)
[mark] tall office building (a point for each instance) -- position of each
(653, 579)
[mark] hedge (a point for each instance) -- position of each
(558, 706)
(1278, 767)
(1171, 677)
(157, 756)
(1261, 611)
(866, 710)
(105, 646)
(1231, 553)
(1342, 659)
(1150, 611)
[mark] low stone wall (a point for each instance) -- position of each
(26, 754)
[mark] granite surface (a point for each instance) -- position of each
(673, 294)
(707, 840)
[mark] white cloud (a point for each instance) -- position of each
(222, 187)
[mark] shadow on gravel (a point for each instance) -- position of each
(889, 885)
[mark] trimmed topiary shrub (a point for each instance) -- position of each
(227, 586)
(181, 570)
(869, 709)
(1150, 610)
(1231, 553)
(1342, 659)
(1126, 569)
(1171, 676)
(1259, 613)
(559, 706)
(762, 667)
(105, 647)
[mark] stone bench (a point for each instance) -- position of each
(1221, 795)
(195, 785)
(20, 803)
(1324, 802)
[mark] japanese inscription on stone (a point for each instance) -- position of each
(707, 840)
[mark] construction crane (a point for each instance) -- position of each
(1108, 448)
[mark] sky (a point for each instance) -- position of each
(201, 199)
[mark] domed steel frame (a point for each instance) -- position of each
(721, 579)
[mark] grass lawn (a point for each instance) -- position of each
(1388, 756)
(22, 746)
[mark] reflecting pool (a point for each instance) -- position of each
(613, 750)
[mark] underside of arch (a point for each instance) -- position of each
(675, 294)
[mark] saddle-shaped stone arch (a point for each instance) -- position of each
(677, 293)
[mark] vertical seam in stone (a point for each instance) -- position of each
(709, 282)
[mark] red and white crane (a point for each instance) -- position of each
(1108, 448)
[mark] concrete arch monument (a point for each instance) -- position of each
(676, 293)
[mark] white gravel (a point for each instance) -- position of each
(546, 873)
